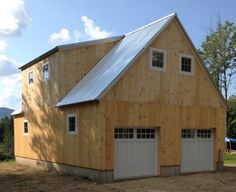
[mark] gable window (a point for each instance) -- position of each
(186, 64)
(45, 71)
(26, 127)
(30, 77)
(157, 59)
(71, 124)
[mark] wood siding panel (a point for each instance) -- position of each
(166, 100)
(48, 139)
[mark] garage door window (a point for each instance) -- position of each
(196, 133)
(124, 133)
(188, 133)
(145, 133)
(202, 133)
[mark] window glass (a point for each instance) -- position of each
(158, 59)
(31, 77)
(186, 64)
(26, 127)
(45, 72)
(188, 133)
(71, 124)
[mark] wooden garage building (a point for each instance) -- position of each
(137, 105)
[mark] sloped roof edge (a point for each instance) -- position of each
(82, 91)
(70, 46)
(17, 111)
(202, 63)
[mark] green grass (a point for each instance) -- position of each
(7, 161)
(230, 158)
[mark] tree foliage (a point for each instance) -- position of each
(218, 52)
(6, 138)
(231, 117)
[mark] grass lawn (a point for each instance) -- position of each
(7, 161)
(230, 158)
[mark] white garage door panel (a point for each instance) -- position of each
(197, 151)
(136, 156)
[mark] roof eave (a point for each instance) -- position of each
(76, 103)
(70, 46)
(41, 57)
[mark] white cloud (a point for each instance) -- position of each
(10, 92)
(77, 35)
(62, 36)
(8, 66)
(10, 82)
(93, 31)
(13, 17)
(3, 45)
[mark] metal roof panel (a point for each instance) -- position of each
(114, 63)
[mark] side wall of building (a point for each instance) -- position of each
(48, 138)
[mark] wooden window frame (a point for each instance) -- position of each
(180, 64)
(151, 56)
(68, 125)
(46, 63)
(25, 133)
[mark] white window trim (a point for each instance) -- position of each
(46, 63)
(72, 132)
(28, 77)
(150, 59)
(180, 64)
(25, 121)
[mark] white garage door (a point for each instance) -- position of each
(197, 150)
(135, 152)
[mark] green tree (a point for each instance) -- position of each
(6, 138)
(231, 116)
(218, 52)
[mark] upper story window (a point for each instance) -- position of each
(72, 124)
(45, 71)
(157, 59)
(26, 127)
(30, 77)
(186, 64)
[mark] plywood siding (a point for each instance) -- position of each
(166, 100)
(76, 63)
(48, 139)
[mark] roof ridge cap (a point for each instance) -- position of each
(170, 15)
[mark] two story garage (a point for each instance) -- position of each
(137, 105)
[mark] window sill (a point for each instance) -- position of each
(72, 133)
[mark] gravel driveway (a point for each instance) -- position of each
(14, 178)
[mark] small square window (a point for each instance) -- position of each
(30, 77)
(157, 59)
(186, 64)
(45, 72)
(25, 127)
(71, 124)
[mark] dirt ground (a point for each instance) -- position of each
(14, 178)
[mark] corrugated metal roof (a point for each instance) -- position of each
(117, 60)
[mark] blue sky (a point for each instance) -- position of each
(29, 28)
